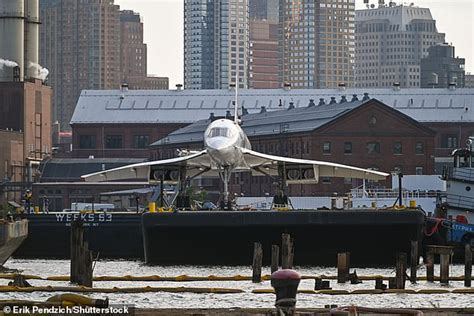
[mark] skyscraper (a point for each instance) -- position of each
(91, 44)
(80, 45)
(264, 10)
(316, 43)
(441, 68)
(263, 62)
(133, 52)
(391, 41)
(134, 55)
(216, 43)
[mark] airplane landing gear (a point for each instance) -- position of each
(226, 206)
(225, 176)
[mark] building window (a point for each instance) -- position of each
(397, 148)
(373, 148)
(418, 171)
(113, 141)
(419, 148)
(326, 147)
(140, 141)
(87, 141)
(449, 141)
(348, 148)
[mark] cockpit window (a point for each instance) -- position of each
(220, 131)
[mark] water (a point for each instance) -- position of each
(246, 299)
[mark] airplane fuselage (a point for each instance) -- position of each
(223, 140)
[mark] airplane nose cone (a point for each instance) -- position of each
(218, 144)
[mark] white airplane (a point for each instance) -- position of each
(228, 150)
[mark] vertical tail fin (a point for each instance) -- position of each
(236, 101)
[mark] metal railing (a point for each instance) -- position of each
(465, 174)
(389, 193)
(459, 201)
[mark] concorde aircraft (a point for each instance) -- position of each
(227, 150)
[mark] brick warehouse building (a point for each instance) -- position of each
(367, 134)
(449, 112)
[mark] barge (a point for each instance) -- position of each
(110, 235)
(226, 237)
(373, 237)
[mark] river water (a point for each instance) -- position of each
(246, 299)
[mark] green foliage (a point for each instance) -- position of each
(195, 195)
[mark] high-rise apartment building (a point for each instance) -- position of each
(133, 52)
(441, 68)
(316, 44)
(263, 62)
(80, 45)
(91, 44)
(264, 10)
(216, 43)
(391, 41)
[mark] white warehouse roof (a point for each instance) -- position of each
(188, 106)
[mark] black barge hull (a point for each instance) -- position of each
(226, 238)
(110, 235)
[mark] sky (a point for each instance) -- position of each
(163, 22)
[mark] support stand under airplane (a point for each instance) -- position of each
(228, 150)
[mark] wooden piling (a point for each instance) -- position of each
(392, 283)
(379, 285)
(401, 267)
(257, 263)
(467, 265)
(81, 257)
(286, 251)
(318, 283)
(414, 259)
(430, 266)
(343, 267)
(76, 236)
(444, 268)
(86, 266)
(275, 258)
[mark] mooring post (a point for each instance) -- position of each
(414, 258)
(401, 270)
(343, 267)
(392, 283)
(379, 284)
(318, 283)
(286, 251)
(444, 268)
(76, 238)
(467, 265)
(275, 258)
(257, 263)
(81, 257)
(86, 275)
(430, 266)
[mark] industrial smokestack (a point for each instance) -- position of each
(12, 37)
(16, 74)
(33, 69)
(36, 71)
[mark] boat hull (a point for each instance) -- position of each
(226, 238)
(110, 235)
